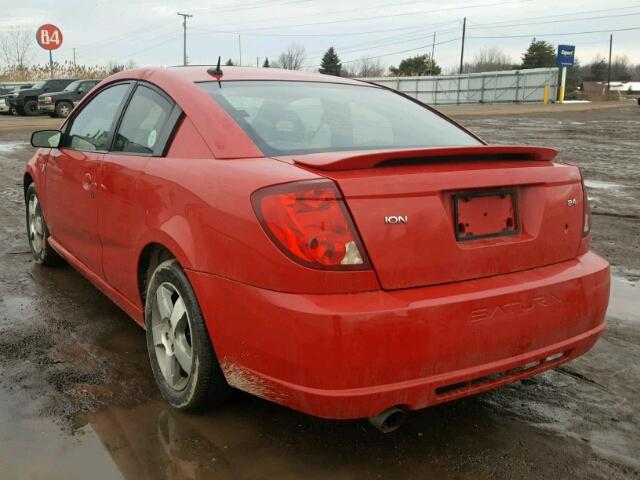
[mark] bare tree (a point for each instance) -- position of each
(292, 58)
(15, 48)
(363, 68)
(489, 60)
(621, 69)
(114, 67)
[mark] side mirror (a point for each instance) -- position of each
(46, 138)
(80, 91)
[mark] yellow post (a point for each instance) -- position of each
(546, 94)
(563, 82)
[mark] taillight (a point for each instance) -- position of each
(586, 214)
(309, 222)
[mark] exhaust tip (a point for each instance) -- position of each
(389, 420)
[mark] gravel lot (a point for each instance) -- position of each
(77, 398)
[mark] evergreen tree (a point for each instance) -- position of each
(331, 64)
(415, 66)
(599, 69)
(266, 63)
(574, 80)
(540, 54)
(229, 63)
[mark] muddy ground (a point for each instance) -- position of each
(77, 398)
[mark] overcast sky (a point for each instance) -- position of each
(150, 32)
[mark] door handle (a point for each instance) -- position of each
(87, 184)
(86, 181)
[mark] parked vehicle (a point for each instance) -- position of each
(323, 243)
(8, 87)
(5, 103)
(60, 104)
(25, 102)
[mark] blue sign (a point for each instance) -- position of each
(566, 55)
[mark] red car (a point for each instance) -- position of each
(323, 243)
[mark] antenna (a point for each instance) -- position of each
(215, 71)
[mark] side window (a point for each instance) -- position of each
(142, 130)
(91, 128)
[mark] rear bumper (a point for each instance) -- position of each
(355, 355)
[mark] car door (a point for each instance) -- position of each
(142, 135)
(71, 176)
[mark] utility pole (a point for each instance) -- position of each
(74, 57)
(609, 74)
(240, 50)
(433, 52)
(184, 37)
(464, 32)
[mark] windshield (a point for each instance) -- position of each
(38, 85)
(73, 86)
(285, 118)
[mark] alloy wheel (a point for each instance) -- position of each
(171, 329)
(36, 228)
(64, 110)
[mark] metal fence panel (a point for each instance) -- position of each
(492, 87)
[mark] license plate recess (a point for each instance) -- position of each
(485, 213)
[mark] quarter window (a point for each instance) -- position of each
(143, 124)
(92, 127)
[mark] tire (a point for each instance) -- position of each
(38, 232)
(31, 108)
(63, 109)
(182, 358)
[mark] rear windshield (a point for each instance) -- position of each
(286, 118)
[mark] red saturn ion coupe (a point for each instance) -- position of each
(323, 243)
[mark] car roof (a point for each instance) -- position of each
(198, 73)
(58, 80)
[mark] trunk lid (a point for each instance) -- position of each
(442, 215)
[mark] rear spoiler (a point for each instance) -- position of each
(334, 161)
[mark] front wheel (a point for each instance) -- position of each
(182, 358)
(63, 109)
(38, 231)
(31, 108)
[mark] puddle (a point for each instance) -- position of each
(602, 185)
(625, 299)
(35, 448)
(12, 147)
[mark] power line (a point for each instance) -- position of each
(544, 17)
(384, 43)
(250, 6)
(339, 12)
(338, 34)
(558, 34)
(430, 45)
(556, 21)
(463, 7)
(126, 36)
(156, 45)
